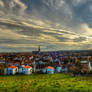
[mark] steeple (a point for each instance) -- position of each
(39, 48)
(37, 51)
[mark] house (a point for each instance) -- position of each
(11, 70)
(84, 63)
(90, 65)
(17, 64)
(50, 70)
(7, 71)
(58, 69)
(27, 70)
(14, 69)
(2, 61)
(65, 70)
(21, 70)
(44, 70)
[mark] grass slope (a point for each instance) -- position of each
(45, 83)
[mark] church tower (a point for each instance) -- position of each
(39, 49)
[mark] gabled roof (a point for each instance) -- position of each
(49, 67)
(27, 66)
(12, 66)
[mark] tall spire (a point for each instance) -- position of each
(39, 48)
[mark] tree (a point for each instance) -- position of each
(76, 68)
(85, 69)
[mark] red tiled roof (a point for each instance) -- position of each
(49, 67)
(12, 66)
(27, 66)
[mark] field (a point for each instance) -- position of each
(45, 83)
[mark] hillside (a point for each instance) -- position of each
(45, 83)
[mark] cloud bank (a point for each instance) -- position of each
(52, 24)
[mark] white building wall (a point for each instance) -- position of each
(90, 67)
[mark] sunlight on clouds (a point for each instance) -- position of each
(1, 4)
(31, 25)
(47, 38)
(21, 45)
(70, 36)
(53, 24)
(9, 34)
(87, 30)
(44, 38)
(39, 22)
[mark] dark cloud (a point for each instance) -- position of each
(80, 39)
(54, 24)
(14, 41)
(12, 7)
(21, 29)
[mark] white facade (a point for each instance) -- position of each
(90, 66)
(9, 71)
(27, 70)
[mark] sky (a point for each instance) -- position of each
(52, 24)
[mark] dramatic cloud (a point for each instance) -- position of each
(52, 24)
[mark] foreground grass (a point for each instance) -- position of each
(45, 83)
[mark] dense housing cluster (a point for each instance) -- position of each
(45, 62)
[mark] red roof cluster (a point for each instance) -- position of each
(12, 66)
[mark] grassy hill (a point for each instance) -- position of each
(45, 83)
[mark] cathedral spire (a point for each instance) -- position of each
(39, 48)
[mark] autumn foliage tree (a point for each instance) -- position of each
(85, 69)
(76, 68)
